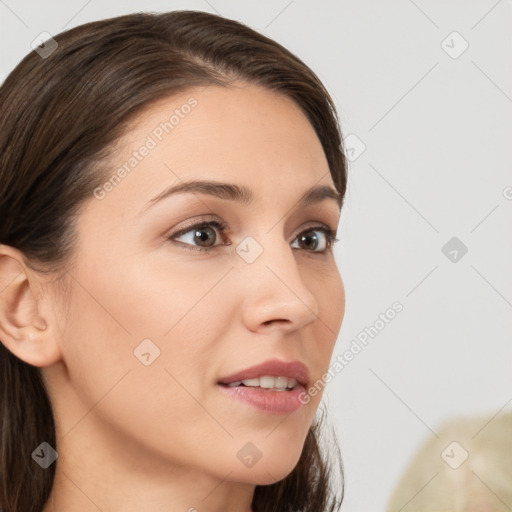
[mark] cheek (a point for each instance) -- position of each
(110, 320)
(142, 298)
(334, 302)
(329, 291)
(140, 316)
(169, 315)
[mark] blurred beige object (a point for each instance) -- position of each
(467, 468)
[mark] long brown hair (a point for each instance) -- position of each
(60, 115)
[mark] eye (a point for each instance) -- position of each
(310, 240)
(203, 233)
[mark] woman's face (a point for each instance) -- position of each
(156, 320)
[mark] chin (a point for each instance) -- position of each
(263, 476)
(267, 470)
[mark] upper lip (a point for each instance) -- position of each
(272, 368)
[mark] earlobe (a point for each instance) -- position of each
(24, 331)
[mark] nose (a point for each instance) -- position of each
(274, 293)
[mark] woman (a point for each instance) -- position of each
(171, 186)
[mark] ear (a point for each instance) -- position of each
(25, 330)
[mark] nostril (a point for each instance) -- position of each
(283, 320)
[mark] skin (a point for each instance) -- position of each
(133, 437)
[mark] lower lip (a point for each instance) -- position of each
(273, 402)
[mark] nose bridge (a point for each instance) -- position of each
(273, 286)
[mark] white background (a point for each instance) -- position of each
(437, 132)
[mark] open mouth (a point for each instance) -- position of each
(268, 394)
(266, 383)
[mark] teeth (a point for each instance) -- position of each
(251, 382)
(292, 383)
(281, 382)
(267, 382)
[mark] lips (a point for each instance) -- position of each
(276, 400)
(271, 368)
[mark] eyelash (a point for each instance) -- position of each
(222, 227)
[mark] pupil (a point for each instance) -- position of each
(314, 238)
(202, 235)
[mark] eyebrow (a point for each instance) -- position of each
(238, 193)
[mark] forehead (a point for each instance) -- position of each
(218, 120)
(243, 134)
